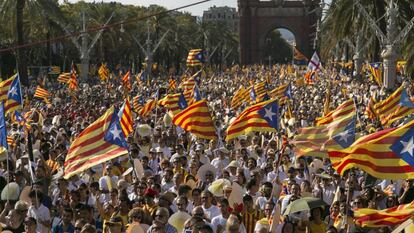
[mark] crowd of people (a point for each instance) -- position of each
(173, 182)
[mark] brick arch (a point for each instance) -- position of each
(258, 18)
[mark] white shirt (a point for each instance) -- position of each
(40, 214)
(220, 165)
(211, 212)
(218, 220)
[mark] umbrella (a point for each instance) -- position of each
(306, 203)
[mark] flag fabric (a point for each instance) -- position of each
(125, 116)
(197, 120)
(54, 70)
(195, 57)
(261, 117)
(73, 80)
(14, 96)
(373, 218)
(18, 118)
(386, 154)
(239, 97)
(4, 146)
(137, 103)
(370, 108)
(189, 83)
(297, 55)
(64, 78)
(347, 107)
(317, 140)
(196, 94)
(5, 87)
(310, 77)
(148, 107)
(282, 93)
(314, 63)
(125, 81)
(376, 72)
(174, 102)
(103, 72)
(41, 93)
(172, 84)
(396, 106)
(101, 141)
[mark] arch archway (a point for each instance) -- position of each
(278, 46)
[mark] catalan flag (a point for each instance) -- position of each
(373, 218)
(174, 102)
(297, 55)
(261, 117)
(5, 87)
(148, 107)
(3, 132)
(54, 70)
(281, 93)
(396, 106)
(42, 94)
(172, 84)
(14, 96)
(195, 57)
(64, 78)
(125, 81)
(197, 120)
(370, 108)
(346, 108)
(103, 72)
(73, 80)
(189, 83)
(316, 140)
(125, 116)
(386, 154)
(10, 141)
(18, 118)
(239, 97)
(101, 141)
(137, 103)
(376, 72)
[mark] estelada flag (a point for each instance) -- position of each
(195, 57)
(197, 120)
(386, 154)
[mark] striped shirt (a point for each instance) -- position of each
(250, 219)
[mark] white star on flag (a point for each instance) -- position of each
(343, 136)
(13, 91)
(408, 147)
(116, 132)
(269, 113)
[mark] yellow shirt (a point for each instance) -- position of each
(317, 228)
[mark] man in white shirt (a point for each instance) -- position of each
(39, 212)
(219, 222)
(222, 161)
(210, 210)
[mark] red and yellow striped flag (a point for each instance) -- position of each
(279, 93)
(125, 81)
(5, 87)
(103, 72)
(342, 110)
(189, 83)
(73, 81)
(382, 218)
(370, 109)
(396, 106)
(239, 97)
(147, 108)
(90, 148)
(387, 154)
(125, 116)
(42, 94)
(64, 78)
(251, 120)
(170, 101)
(172, 84)
(197, 120)
(195, 57)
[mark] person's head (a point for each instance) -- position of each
(182, 203)
(30, 225)
(114, 224)
(316, 214)
(391, 201)
(266, 189)
(168, 175)
(178, 179)
(209, 176)
(67, 215)
(22, 207)
(162, 215)
(269, 206)
(88, 228)
(233, 224)
(295, 189)
(223, 205)
(79, 224)
(194, 224)
(205, 228)
(136, 215)
(36, 197)
(198, 212)
(206, 198)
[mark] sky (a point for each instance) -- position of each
(171, 4)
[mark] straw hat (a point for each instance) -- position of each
(233, 163)
(217, 187)
(178, 220)
(236, 195)
(10, 192)
(201, 174)
(144, 130)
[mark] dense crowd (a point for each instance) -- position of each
(173, 182)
